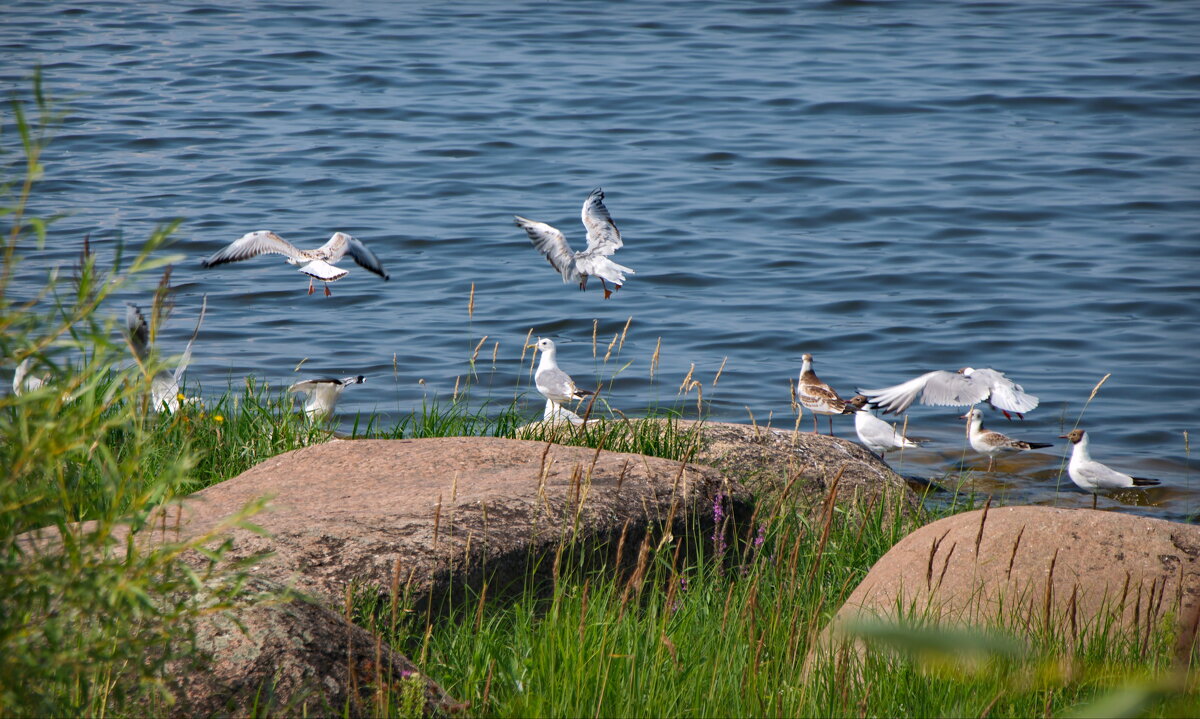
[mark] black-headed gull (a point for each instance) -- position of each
(1089, 474)
(992, 443)
(318, 264)
(878, 436)
(24, 382)
(816, 396)
(552, 383)
(164, 386)
(603, 239)
(323, 394)
(966, 387)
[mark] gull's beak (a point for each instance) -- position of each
(533, 346)
(1064, 436)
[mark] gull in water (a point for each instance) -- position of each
(552, 383)
(1089, 474)
(877, 435)
(603, 239)
(24, 382)
(318, 264)
(991, 443)
(323, 394)
(816, 396)
(164, 386)
(966, 387)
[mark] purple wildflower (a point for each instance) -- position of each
(761, 536)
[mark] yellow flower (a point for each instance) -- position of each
(218, 418)
(180, 397)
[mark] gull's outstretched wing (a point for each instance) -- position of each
(551, 243)
(137, 331)
(939, 387)
(187, 351)
(603, 237)
(343, 244)
(253, 244)
(1006, 394)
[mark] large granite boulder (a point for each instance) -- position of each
(1031, 569)
(288, 656)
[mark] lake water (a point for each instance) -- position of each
(891, 186)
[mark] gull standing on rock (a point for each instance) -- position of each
(966, 387)
(603, 239)
(816, 396)
(164, 386)
(991, 443)
(878, 435)
(1089, 474)
(552, 383)
(318, 264)
(323, 394)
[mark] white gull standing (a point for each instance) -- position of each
(552, 383)
(164, 386)
(323, 394)
(878, 436)
(1089, 474)
(992, 443)
(318, 264)
(966, 387)
(603, 239)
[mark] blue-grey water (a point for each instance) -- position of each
(891, 186)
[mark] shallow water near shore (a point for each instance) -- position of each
(892, 187)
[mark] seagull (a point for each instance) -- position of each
(986, 441)
(164, 386)
(603, 239)
(552, 383)
(318, 264)
(1089, 474)
(555, 414)
(877, 435)
(323, 394)
(816, 396)
(963, 388)
(24, 382)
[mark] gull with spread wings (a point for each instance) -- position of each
(966, 387)
(164, 386)
(603, 239)
(318, 264)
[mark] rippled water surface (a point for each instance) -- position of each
(893, 187)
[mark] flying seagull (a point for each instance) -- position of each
(318, 264)
(323, 394)
(603, 239)
(966, 387)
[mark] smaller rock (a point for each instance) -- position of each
(291, 657)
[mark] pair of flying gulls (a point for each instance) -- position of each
(603, 239)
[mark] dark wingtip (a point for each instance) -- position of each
(1145, 482)
(360, 379)
(1039, 445)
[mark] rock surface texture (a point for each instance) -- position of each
(1031, 568)
(443, 512)
(812, 463)
(296, 658)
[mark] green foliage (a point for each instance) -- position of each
(91, 615)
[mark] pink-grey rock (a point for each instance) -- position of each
(293, 657)
(1026, 569)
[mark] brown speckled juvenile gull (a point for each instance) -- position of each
(816, 396)
(992, 443)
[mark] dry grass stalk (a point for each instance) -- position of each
(654, 358)
(624, 331)
(471, 302)
(612, 344)
(717, 377)
(475, 354)
(595, 329)
(683, 386)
